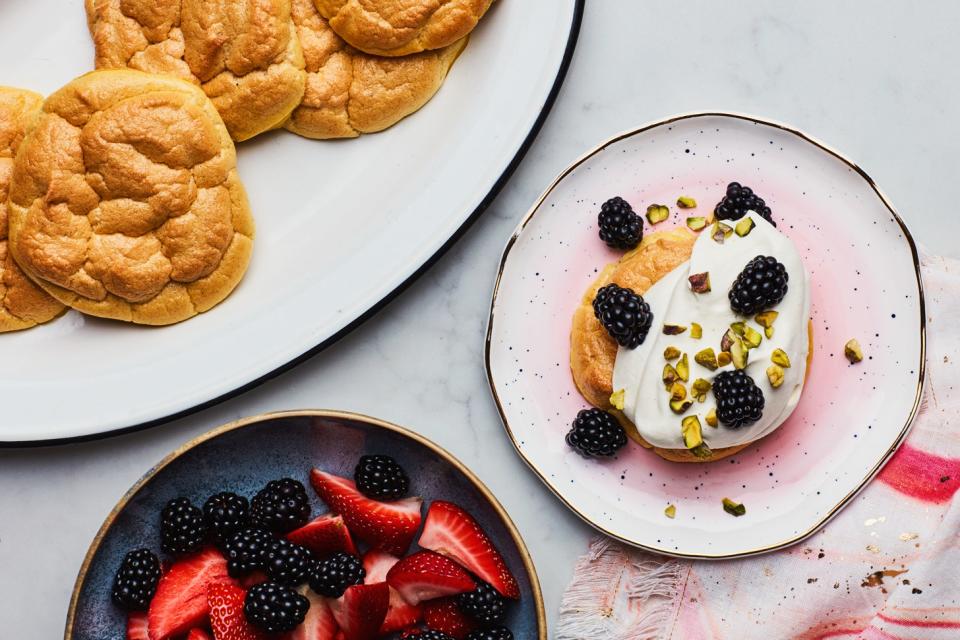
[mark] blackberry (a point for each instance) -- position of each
(596, 434)
(274, 607)
(762, 284)
(225, 514)
(288, 563)
(381, 478)
(246, 551)
(624, 314)
(620, 226)
(484, 604)
(182, 530)
(739, 399)
(331, 577)
(740, 199)
(494, 633)
(429, 634)
(136, 580)
(281, 506)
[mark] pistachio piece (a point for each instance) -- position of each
(696, 331)
(686, 202)
(616, 399)
(775, 375)
(669, 375)
(766, 318)
(699, 389)
(657, 213)
(721, 232)
(711, 418)
(696, 223)
(673, 329)
(751, 337)
(683, 368)
(700, 282)
(733, 508)
(680, 406)
(702, 451)
(744, 227)
(780, 357)
(739, 354)
(853, 351)
(707, 358)
(671, 353)
(670, 511)
(768, 331)
(690, 428)
(738, 328)
(724, 358)
(678, 391)
(727, 340)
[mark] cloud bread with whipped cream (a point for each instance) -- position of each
(125, 201)
(402, 27)
(244, 53)
(22, 303)
(632, 379)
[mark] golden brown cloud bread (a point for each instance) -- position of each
(402, 27)
(22, 303)
(350, 92)
(593, 352)
(244, 53)
(125, 201)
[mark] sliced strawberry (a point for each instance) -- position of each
(453, 532)
(387, 526)
(180, 603)
(324, 536)
(198, 634)
(445, 616)
(400, 613)
(426, 575)
(361, 610)
(226, 614)
(319, 623)
(137, 626)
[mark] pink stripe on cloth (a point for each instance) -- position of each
(829, 586)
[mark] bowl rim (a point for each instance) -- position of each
(448, 457)
(921, 368)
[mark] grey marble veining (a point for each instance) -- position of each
(875, 79)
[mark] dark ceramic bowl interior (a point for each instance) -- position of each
(243, 456)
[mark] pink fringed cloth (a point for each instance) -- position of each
(886, 568)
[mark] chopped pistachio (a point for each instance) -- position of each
(766, 319)
(706, 358)
(696, 331)
(721, 232)
(671, 353)
(669, 375)
(702, 450)
(678, 391)
(744, 227)
(768, 331)
(739, 328)
(673, 329)
(739, 354)
(686, 202)
(711, 418)
(751, 337)
(727, 340)
(699, 389)
(775, 375)
(696, 223)
(724, 358)
(780, 357)
(683, 368)
(670, 511)
(680, 406)
(733, 508)
(616, 400)
(657, 213)
(692, 435)
(853, 351)
(700, 282)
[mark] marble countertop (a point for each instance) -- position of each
(875, 79)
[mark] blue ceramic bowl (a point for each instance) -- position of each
(243, 456)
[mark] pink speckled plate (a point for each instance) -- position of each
(865, 284)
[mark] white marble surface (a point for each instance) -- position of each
(876, 79)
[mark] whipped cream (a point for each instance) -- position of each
(639, 371)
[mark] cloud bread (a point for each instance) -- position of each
(402, 27)
(125, 201)
(22, 303)
(350, 92)
(244, 53)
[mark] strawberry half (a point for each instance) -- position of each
(426, 575)
(387, 526)
(319, 623)
(445, 616)
(137, 626)
(361, 610)
(180, 603)
(324, 536)
(226, 614)
(400, 613)
(198, 634)
(453, 532)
